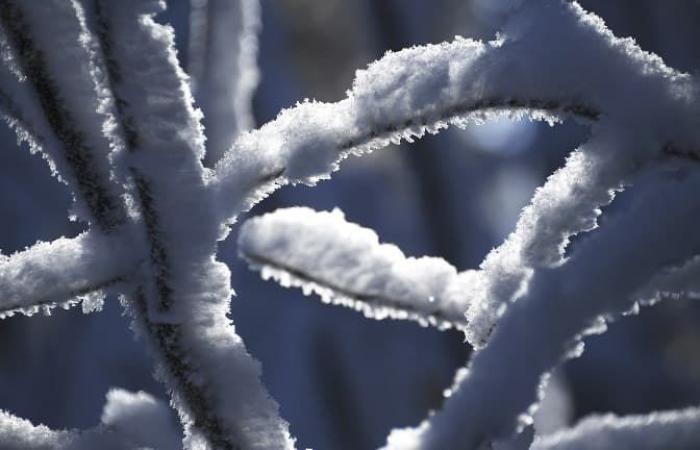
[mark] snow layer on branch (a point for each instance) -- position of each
(64, 272)
(567, 204)
(422, 89)
(22, 111)
(129, 421)
(560, 305)
(345, 264)
(681, 281)
(141, 419)
(215, 383)
(222, 52)
(20, 434)
(678, 430)
(47, 52)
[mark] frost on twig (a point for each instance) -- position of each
(114, 113)
(182, 307)
(390, 101)
(563, 303)
(678, 430)
(62, 272)
(21, 434)
(345, 264)
(221, 61)
(423, 89)
(44, 41)
(129, 421)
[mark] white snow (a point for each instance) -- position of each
(63, 272)
(525, 309)
(678, 430)
(561, 304)
(129, 421)
(215, 382)
(222, 52)
(345, 264)
(141, 418)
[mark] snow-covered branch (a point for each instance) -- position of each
(560, 305)
(96, 85)
(222, 52)
(679, 430)
(345, 264)
(21, 434)
(182, 309)
(423, 89)
(129, 421)
(390, 101)
(46, 51)
(63, 272)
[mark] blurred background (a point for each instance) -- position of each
(343, 381)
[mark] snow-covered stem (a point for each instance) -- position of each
(96, 85)
(129, 420)
(221, 63)
(560, 305)
(345, 264)
(21, 434)
(182, 307)
(679, 430)
(61, 272)
(67, 99)
(386, 105)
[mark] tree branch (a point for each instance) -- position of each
(222, 52)
(58, 273)
(182, 307)
(346, 265)
(558, 307)
(658, 430)
(69, 102)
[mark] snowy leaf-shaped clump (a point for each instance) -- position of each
(345, 264)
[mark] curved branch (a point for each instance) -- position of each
(457, 83)
(559, 306)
